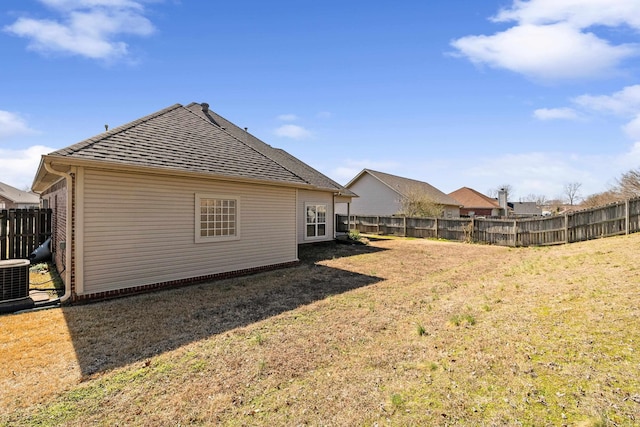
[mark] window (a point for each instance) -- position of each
(217, 218)
(316, 220)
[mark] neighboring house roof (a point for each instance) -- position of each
(470, 198)
(192, 139)
(526, 208)
(403, 186)
(18, 196)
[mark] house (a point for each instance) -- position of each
(382, 194)
(178, 196)
(475, 203)
(526, 209)
(12, 198)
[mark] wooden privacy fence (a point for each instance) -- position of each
(22, 231)
(610, 220)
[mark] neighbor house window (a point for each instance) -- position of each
(217, 218)
(316, 220)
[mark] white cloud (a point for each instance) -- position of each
(18, 167)
(555, 114)
(292, 131)
(288, 117)
(551, 40)
(632, 129)
(544, 172)
(87, 28)
(11, 124)
(629, 160)
(581, 13)
(76, 4)
(624, 102)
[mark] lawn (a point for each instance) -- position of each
(399, 332)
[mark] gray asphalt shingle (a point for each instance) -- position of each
(183, 138)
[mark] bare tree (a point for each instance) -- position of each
(493, 192)
(417, 203)
(601, 199)
(539, 199)
(628, 185)
(572, 192)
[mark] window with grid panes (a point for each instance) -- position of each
(217, 218)
(316, 217)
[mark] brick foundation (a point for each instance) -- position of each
(79, 299)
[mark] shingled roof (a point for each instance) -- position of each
(300, 169)
(194, 139)
(470, 198)
(18, 196)
(405, 186)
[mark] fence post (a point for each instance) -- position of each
(4, 220)
(566, 228)
(627, 217)
(515, 233)
(378, 224)
(473, 229)
(11, 233)
(404, 226)
(436, 227)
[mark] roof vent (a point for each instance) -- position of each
(205, 107)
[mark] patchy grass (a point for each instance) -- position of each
(544, 336)
(43, 276)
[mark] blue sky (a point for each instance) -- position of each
(535, 94)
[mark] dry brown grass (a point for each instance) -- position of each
(401, 332)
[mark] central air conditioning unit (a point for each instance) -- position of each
(14, 279)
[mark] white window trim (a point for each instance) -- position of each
(326, 220)
(210, 239)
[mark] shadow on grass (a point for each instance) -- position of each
(115, 333)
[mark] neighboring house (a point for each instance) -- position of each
(525, 209)
(178, 196)
(382, 194)
(475, 203)
(12, 198)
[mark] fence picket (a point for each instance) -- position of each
(22, 231)
(611, 220)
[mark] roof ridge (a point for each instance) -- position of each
(338, 185)
(401, 185)
(401, 178)
(119, 129)
(245, 142)
(236, 138)
(484, 196)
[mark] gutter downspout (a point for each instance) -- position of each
(68, 236)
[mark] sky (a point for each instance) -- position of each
(458, 93)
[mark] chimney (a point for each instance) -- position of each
(502, 200)
(205, 107)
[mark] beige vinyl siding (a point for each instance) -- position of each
(375, 198)
(315, 197)
(140, 229)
